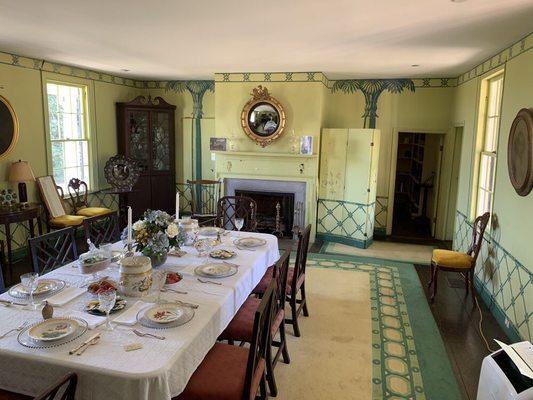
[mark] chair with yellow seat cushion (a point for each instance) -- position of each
(465, 263)
(78, 191)
(52, 196)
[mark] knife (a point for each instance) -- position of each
(86, 343)
(8, 303)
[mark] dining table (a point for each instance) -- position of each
(158, 369)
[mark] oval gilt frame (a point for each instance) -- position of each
(261, 95)
(15, 120)
(520, 154)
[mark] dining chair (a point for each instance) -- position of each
(52, 196)
(234, 372)
(78, 193)
(240, 329)
(464, 263)
(295, 281)
(64, 389)
(204, 199)
(231, 207)
(102, 229)
(53, 250)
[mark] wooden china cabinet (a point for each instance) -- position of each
(145, 132)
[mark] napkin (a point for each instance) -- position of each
(129, 316)
(65, 295)
(92, 320)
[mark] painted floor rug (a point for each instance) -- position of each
(370, 335)
(403, 252)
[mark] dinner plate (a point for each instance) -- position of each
(210, 231)
(163, 313)
(53, 329)
(222, 254)
(25, 340)
(215, 270)
(185, 314)
(92, 307)
(250, 242)
(44, 286)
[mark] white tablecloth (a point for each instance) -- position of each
(161, 369)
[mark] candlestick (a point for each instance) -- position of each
(129, 228)
(177, 205)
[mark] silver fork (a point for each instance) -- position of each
(21, 327)
(185, 304)
(173, 291)
(214, 283)
(144, 334)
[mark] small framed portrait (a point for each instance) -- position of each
(218, 144)
(306, 145)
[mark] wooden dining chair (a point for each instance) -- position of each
(205, 194)
(295, 281)
(52, 196)
(234, 372)
(464, 263)
(64, 389)
(240, 329)
(102, 229)
(53, 250)
(231, 207)
(78, 194)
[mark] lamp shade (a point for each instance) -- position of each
(20, 171)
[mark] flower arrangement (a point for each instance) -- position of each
(155, 233)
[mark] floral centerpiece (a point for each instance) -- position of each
(155, 234)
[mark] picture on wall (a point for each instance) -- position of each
(306, 145)
(218, 144)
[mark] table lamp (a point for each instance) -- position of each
(21, 173)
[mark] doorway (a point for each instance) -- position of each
(416, 191)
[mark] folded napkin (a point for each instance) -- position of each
(129, 316)
(65, 295)
(92, 320)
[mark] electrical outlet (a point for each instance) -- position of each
(507, 322)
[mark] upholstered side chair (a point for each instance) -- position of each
(464, 263)
(52, 196)
(78, 192)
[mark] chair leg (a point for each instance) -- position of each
(294, 313)
(431, 270)
(472, 281)
(467, 283)
(263, 395)
(283, 340)
(304, 300)
(270, 372)
(435, 280)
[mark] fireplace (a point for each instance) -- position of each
(275, 211)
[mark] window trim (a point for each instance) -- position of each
(90, 122)
(480, 140)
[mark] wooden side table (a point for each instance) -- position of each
(19, 214)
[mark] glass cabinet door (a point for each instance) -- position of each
(160, 141)
(138, 137)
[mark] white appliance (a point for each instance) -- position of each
(507, 374)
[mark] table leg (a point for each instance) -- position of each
(39, 225)
(32, 228)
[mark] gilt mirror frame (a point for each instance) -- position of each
(520, 152)
(6, 105)
(260, 95)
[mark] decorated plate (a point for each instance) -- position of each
(53, 329)
(92, 307)
(163, 313)
(210, 231)
(250, 242)
(222, 254)
(44, 286)
(215, 270)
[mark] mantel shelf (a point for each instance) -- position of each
(265, 154)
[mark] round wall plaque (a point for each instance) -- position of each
(520, 152)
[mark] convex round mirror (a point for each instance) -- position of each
(9, 127)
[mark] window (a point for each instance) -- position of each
(490, 114)
(68, 130)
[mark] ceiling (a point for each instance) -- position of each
(176, 39)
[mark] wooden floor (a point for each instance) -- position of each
(457, 318)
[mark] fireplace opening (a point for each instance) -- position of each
(275, 211)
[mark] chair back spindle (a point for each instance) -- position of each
(53, 250)
(281, 272)
(301, 256)
(78, 191)
(260, 338)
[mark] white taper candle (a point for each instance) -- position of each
(129, 226)
(177, 205)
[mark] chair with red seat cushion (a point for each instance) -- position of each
(64, 389)
(235, 373)
(241, 326)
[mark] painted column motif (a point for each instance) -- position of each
(372, 89)
(197, 89)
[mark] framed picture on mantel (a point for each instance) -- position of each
(218, 144)
(306, 145)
